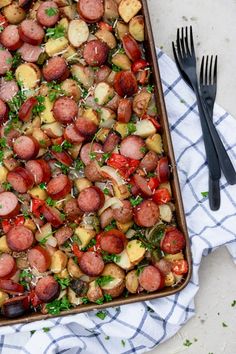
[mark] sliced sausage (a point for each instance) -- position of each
(36, 169)
(26, 147)
(163, 170)
(65, 109)
(10, 287)
(72, 210)
(47, 289)
(72, 135)
(125, 83)
(131, 47)
(124, 111)
(113, 103)
(91, 199)
(8, 89)
(112, 244)
(10, 37)
(62, 157)
(150, 279)
(87, 149)
(19, 238)
(146, 214)
(46, 170)
(125, 213)
(92, 172)
(113, 139)
(9, 205)
(59, 187)
(26, 109)
(85, 126)
(63, 234)
(164, 266)
(91, 10)
(7, 265)
(30, 53)
(133, 147)
(20, 179)
(91, 263)
(5, 61)
(173, 241)
(95, 53)
(142, 185)
(52, 215)
(48, 13)
(11, 163)
(106, 218)
(31, 32)
(149, 162)
(55, 69)
(39, 258)
(15, 306)
(10, 136)
(3, 112)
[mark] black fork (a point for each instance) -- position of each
(208, 82)
(187, 61)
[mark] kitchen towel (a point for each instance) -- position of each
(139, 327)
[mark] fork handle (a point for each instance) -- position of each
(214, 194)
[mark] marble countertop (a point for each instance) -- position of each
(214, 26)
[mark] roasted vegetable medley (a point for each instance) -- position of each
(86, 209)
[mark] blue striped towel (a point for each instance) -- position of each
(139, 327)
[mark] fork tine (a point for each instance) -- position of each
(206, 71)
(210, 72)
(175, 56)
(182, 42)
(191, 41)
(215, 71)
(178, 45)
(202, 71)
(186, 41)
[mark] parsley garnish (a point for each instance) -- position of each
(40, 107)
(9, 76)
(7, 186)
(115, 68)
(204, 194)
(106, 191)
(64, 168)
(67, 145)
(42, 185)
(111, 226)
(44, 239)
(233, 303)
(136, 201)
(50, 201)
(22, 277)
(55, 91)
(1, 28)
(64, 282)
(91, 244)
(224, 324)
(143, 149)
(57, 148)
(111, 257)
(3, 142)
(46, 329)
(55, 32)
(104, 280)
(150, 88)
(123, 342)
(187, 343)
(51, 11)
(79, 165)
(101, 314)
(92, 155)
(131, 128)
(16, 60)
(85, 300)
(56, 306)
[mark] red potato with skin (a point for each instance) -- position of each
(10, 206)
(31, 32)
(65, 110)
(125, 83)
(131, 47)
(19, 238)
(39, 259)
(59, 187)
(10, 38)
(48, 13)
(173, 241)
(91, 199)
(47, 289)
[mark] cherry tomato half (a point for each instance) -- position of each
(180, 267)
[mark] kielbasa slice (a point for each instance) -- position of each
(106, 218)
(31, 32)
(55, 69)
(65, 109)
(111, 142)
(52, 215)
(92, 172)
(5, 61)
(124, 111)
(91, 199)
(133, 147)
(47, 289)
(8, 89)
(20, 179)
(59, 187)
(36, 169)
(125, 213)
(173, 241)
(95, 53)
(46, 170)
(112, 244)
(48, 13)
(10, 37)
(164, 266)
(62, 157)
(63, 234)
(19, 238)
(150, 279)
(3, 112)
(91, 10)
(149, 162)
(125, 83)
(7, 265)
(85, 126)
(30, 53)
(88, 149)
(39, 258)
(26, 147)
(9, 205)
(72, 135)
(15, 306)
(142, 185)
(91, 263)
(10, 287)
(72, 210)
(146, 214)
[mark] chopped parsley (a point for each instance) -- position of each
(3, 142)
(123, 342)
(224, 324)
(24, 274)
(204, 194)
(16, 60)
(104, 280)
(106, 191)
(42, 185)
(1, 28)
(92, 155)
(187, 343)
(111, 226)
(91, 244)
(64, 282)
(110, 257)
(107, 337)
(55, 32)
(79, 165)
(57, 148)
(51, 11)
(233, 303)
(7, 186)
(101, 314)
(150, 88)
(9, 76)
(131, 128)
(40, 107)
(64, 168)
(143, 149)
(115, 68)
(136, 201)
(56, 306)
(50, 201)
(44, 239)
(67, 145)
(85, 300)
(46, 329)
(105, 298)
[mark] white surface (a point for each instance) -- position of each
(214, 26)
